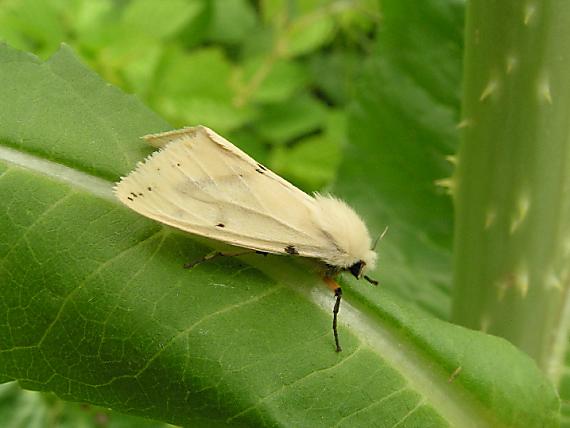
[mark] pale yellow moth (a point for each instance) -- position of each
(201, 183)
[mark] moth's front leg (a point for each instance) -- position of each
(333, 285)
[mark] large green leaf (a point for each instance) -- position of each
(403, 125)
(95, 306)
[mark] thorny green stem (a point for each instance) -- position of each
(512, 184)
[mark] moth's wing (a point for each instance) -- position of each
(163, 138)
(201, 183)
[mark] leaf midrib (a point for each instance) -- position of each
(95, 185)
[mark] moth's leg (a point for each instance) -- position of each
(215, 254)
(336, 308)
(331, 272)
(332, 284)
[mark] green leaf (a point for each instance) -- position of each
(91, 20)
(283, 79)
(95, 306)
(194, 88)
(309, 32)
(309, 164)
(271, 9)
(336, 74)
(65, 80)
(130, 60)
(246, 140)
(143, 17)
(140, 69)
(231, 21)
(28, 409)
(359, 18)
(197, 29)
(205, 111)
(202, 73)
(279, 123)
(304, 26)
(95, 25)
(402, 127)
(32, 23)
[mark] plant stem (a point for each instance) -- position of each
(512, 184)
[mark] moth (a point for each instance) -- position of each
(201, 183)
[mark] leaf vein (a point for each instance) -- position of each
(373, 404)
(292, 384)
(202, 320)
(39, 218)
(82, 283)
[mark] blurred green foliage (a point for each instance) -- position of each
(274, 76)
(30, 409)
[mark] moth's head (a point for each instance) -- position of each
(359, 268)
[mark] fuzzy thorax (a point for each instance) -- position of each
(347, 231)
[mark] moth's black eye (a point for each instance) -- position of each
(356, 269)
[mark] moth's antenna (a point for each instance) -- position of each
(379, 238)
(370, 280)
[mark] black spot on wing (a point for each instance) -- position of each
(259, 170)
(220, 225)
(261, 167)
(290, 249)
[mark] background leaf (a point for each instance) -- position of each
(231, 21)
(29, 409)
(406, 112)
